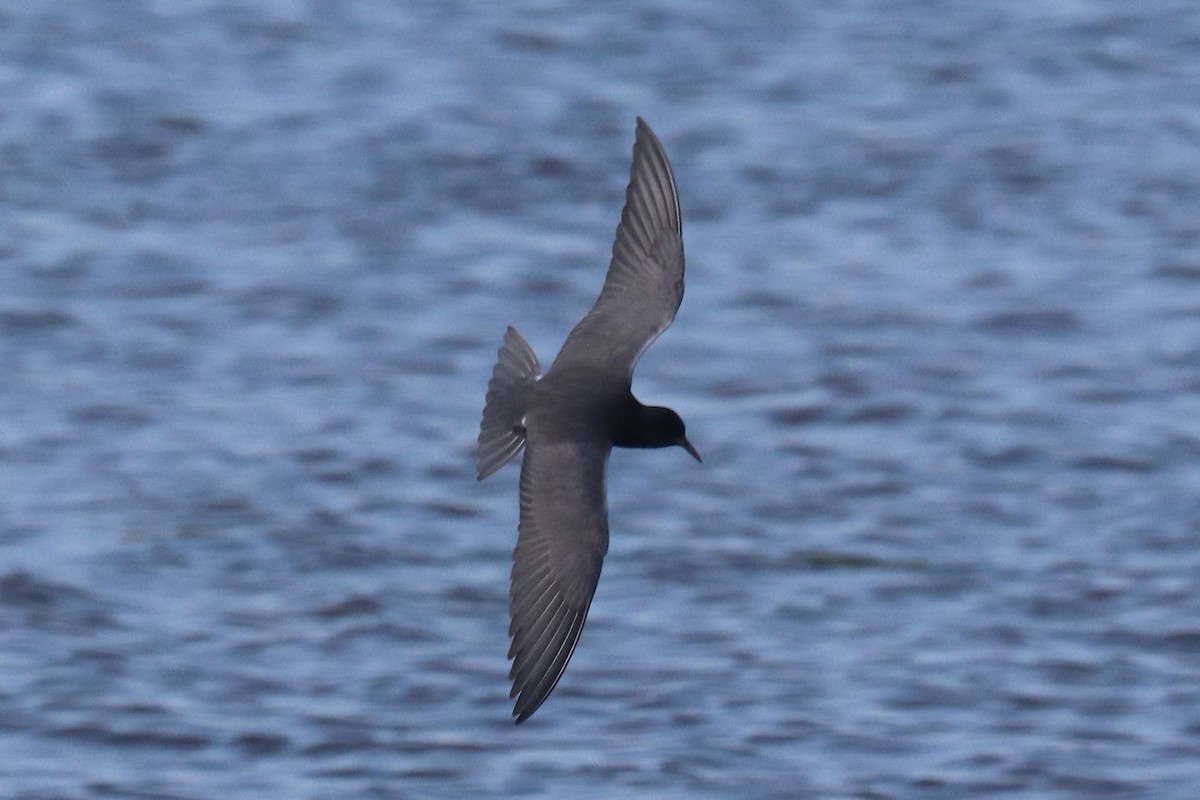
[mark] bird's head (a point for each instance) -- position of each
(665, 428)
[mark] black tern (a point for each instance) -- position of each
(568, 421)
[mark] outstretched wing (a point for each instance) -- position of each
(556, 565)
(644, 286)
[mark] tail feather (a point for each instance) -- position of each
(502, 432)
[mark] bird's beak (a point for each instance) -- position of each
(686, 445)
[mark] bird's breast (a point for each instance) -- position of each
(575, 409)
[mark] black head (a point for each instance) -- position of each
(662, 427)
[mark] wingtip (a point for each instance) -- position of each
(523, 709)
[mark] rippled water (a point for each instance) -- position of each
(940, 351)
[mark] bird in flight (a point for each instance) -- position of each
(569, 419)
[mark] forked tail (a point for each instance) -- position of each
(502, 432)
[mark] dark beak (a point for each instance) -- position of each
(686, 445)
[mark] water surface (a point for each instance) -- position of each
(939, 349)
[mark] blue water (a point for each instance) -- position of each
(940, 350)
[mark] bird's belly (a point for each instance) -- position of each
(580, 419)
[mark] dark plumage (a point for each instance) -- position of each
(569, 419)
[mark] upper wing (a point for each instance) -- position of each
(644, 286)
(556, 565)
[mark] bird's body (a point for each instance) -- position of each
(568, 421)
